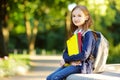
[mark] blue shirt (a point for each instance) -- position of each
(87, 43)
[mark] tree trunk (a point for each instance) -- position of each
(3, 24)
(31, 33)
(28, 31)
(33, 38)
(67, 24)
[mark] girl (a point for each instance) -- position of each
(79, 63)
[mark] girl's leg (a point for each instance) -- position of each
(49, 77)
(62, 74)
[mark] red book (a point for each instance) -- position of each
(80, 41)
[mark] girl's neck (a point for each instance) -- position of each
(79, 28)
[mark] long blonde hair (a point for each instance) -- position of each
(87, 23)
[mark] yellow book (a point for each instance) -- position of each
(72, 45)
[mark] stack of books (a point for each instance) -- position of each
(74, 44)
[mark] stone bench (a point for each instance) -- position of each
(112, 72)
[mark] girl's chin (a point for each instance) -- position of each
(77, 25)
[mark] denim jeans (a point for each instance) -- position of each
(63, 72)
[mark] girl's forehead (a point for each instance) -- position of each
(77, 10)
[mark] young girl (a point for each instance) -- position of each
(79, 63)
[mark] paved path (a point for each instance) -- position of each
(41, 67)
(44, 65)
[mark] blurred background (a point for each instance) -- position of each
(40, 26)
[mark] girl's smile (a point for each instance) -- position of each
(78, 17)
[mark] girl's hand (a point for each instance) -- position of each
(62, 62)
(73, 63)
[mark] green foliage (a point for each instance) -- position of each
(19, 30)
(51, 39)
(17, 41)
(51, 17)
(55, 39)
(114, 54)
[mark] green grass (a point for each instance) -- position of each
(14, 65)
(114, 54)
(24, 58)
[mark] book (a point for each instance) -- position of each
(74, 44)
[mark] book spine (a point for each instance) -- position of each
(79, 42)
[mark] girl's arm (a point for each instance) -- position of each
(86, 48)
(66, 57)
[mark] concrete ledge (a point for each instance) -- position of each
(112, 72)
(92, 77)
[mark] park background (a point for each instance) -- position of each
(39, 27)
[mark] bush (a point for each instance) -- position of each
(14, 65)
(114, 56)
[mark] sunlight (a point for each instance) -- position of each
(101, 5)
(99, 1)
(103, 9)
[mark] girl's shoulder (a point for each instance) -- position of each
(89, 35)
(88, 32)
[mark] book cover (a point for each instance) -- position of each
(74, 44)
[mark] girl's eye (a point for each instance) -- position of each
(73, 15)
(79, 15)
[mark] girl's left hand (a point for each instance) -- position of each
(62, 62)
(73, 63)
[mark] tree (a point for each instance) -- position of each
(3, 24)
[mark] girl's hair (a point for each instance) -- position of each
(87, 23)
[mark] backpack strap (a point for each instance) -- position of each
(95, 35)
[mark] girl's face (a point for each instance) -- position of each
(78, 17)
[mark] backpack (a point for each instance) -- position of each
(99, 52)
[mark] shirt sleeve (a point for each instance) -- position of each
(66, 57)
(86, 47)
